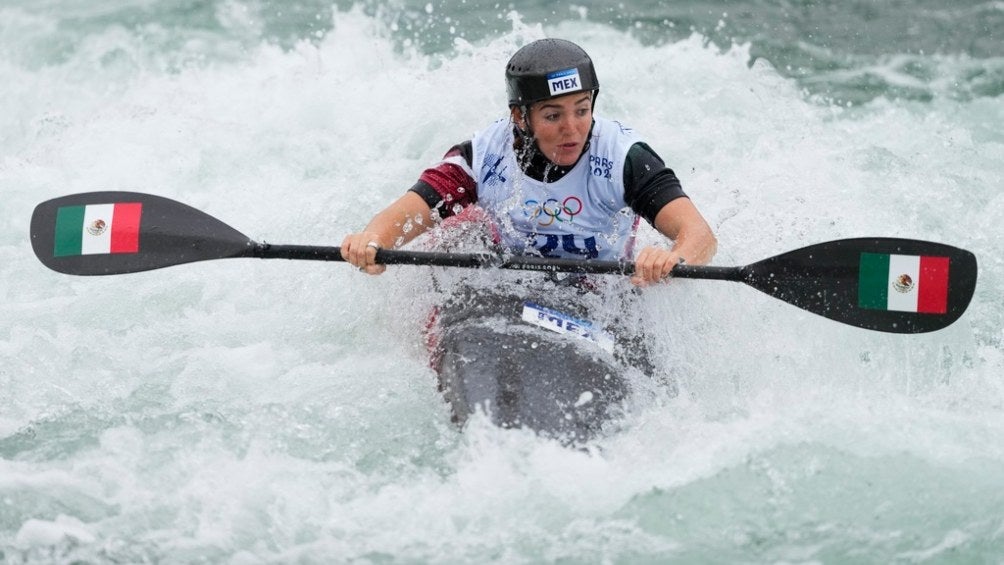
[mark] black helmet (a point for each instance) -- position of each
(548, 68)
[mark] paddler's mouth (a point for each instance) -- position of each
(566, 154)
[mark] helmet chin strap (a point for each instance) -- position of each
(528, 142)
(523, 126)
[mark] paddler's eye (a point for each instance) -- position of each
(551, 117)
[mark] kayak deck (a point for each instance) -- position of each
(490, 360)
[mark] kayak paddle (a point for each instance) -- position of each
(885, 284)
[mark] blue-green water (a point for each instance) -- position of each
(274, 412)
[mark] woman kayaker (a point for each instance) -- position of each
(553, 179)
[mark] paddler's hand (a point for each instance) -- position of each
(360, 250)
(654, 265)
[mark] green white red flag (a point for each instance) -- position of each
(97, 229)
(904, 283)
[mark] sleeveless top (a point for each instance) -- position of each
(582, 215)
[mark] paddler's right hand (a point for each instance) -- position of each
(360, 249)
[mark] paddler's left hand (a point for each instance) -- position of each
(654, 265)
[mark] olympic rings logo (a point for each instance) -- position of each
(551, 211)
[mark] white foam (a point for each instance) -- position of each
(47, 533)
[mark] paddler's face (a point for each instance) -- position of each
(561, 126)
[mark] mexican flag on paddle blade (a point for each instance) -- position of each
(905, 283)
(97, 229)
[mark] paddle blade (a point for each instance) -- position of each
(885, 284)
(108, 233)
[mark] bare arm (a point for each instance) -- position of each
(692, 238)
(402, 221)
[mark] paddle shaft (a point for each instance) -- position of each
(486, 260)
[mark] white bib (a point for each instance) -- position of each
(581, 215)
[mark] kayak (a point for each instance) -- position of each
(529, 358)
